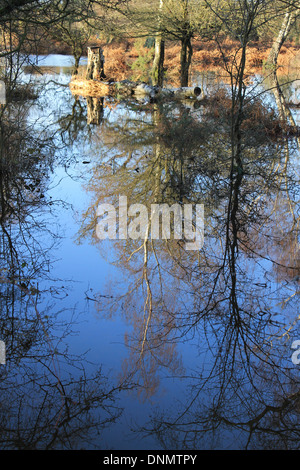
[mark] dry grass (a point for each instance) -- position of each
(116, 62)
(257, 54)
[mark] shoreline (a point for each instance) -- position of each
(130, 59)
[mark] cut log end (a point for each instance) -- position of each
(187, 92)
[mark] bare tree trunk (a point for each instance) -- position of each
(185, 60)
(186, 45)
(95, 68)
(159, 58)
(76, 64)
(287, 23)
(158, 63)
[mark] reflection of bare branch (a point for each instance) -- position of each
(148, 308)
(222, 296)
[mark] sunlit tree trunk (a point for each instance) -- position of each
(287, 23)
(158, 63)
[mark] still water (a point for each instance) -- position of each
(134, 344)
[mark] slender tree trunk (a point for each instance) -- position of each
(158, 63)
(157, 74)
(282, 36)
(76, 64)
(185, 60)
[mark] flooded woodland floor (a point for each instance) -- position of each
(141, 343)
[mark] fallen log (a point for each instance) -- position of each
(187, 92)
(142, 90)
(127, 88)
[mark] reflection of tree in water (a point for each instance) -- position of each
(48, 398)
(42, 405)
(229, 295)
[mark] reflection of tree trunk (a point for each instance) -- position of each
(94, 110)
(158, 157)
(95, 68)
(236, 179)
(185, 60)
(283, 110)
(158, 63)
(148, 306)
(163, 185)
(281, 38)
